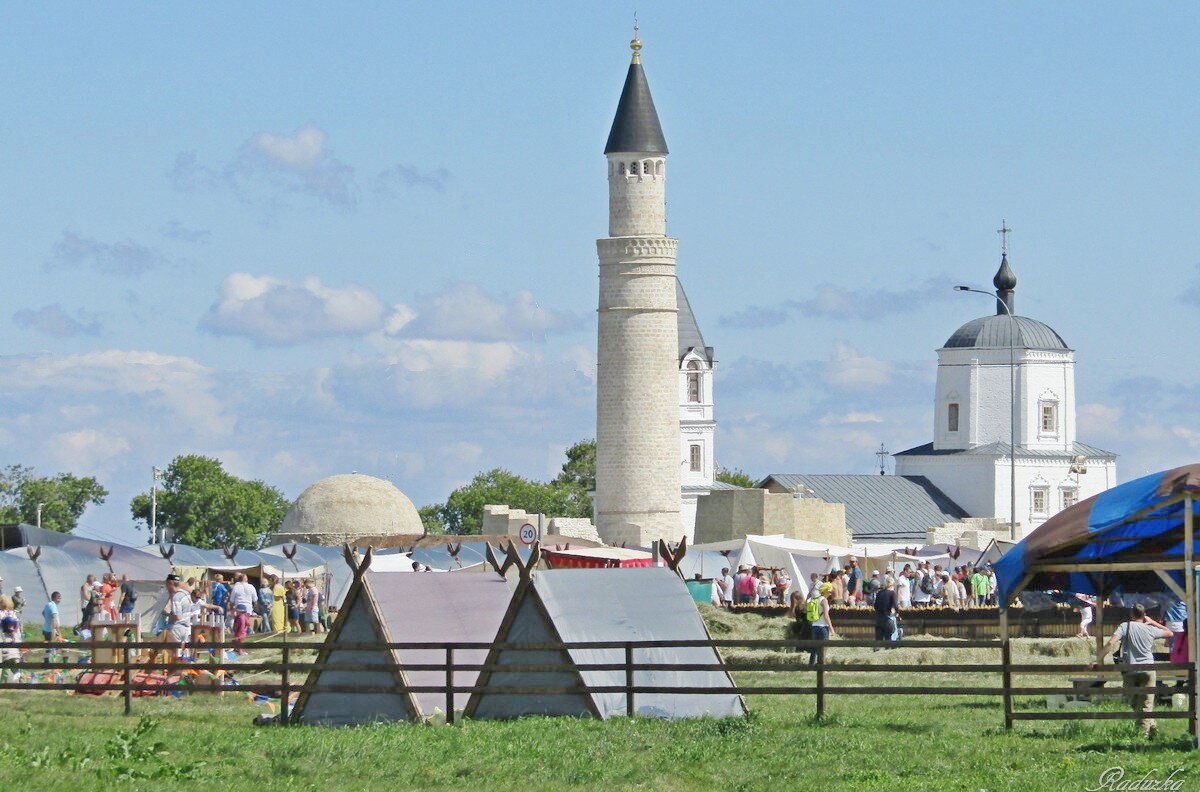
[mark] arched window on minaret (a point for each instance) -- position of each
(658, 170)
(693, 382)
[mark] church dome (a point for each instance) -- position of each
(990, 332)
(348, 506)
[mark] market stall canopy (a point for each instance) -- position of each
(1123, 537)
(598, 558)
(124, 560)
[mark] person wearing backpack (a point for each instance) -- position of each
(871, 588)
(816, 611)
(922, 586)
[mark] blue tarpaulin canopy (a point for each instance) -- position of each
(1120, 538)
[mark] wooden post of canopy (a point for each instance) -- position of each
(1006, 663)
(1193, 610)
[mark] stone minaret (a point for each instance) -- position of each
(637, 406)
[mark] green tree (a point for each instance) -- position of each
(431, 518)
(463, 510)
(64, 498)
(565, 496)
(202, 505)
(736, 477)
(577, 479)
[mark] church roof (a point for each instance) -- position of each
(988, 332)
(635, 127)
(1000, 448)
(689, 331)
(899, 508)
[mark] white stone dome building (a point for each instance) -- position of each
(976, 420)
(347, 507)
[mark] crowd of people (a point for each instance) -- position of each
(275, 606)
(923, 585)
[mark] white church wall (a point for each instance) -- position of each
(687, 515)
(980, 484)
(978, 381)
(966, 480)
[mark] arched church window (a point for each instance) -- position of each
(622, 168)
(693, 382)
(648, 168)
(633, 169)
(695, 458)
(952, 417)
(658, 170)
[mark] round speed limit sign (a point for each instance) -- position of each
(528, 533)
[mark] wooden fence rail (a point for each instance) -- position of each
(627, 665)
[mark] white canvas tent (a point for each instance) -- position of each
(596, 605)
(400, 607)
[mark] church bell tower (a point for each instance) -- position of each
(637, 408)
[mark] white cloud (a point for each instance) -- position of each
(301, 151)
(466, 311)
(833, 419)
(179, 385)
(1097, 419)
(848, 369)
(53, 320)
(275, 312)
(87, 451)
(583, 358)
(299, 163)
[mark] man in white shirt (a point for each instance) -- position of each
(725, 588)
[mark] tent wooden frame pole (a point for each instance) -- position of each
(1170, 583)
(1006, 664)
(1100, 597)
(1193, 608)
(1111, 566)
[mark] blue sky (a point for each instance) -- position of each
(311, 239)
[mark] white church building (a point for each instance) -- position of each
(697, 419)
(970, 457)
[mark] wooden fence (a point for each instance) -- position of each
(288, 667)
(970, 623)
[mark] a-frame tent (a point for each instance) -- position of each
(402, 607)
(603, 605)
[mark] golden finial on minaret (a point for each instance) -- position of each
(636, 44)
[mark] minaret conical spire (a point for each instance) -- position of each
(635, 127)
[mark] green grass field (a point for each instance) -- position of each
(51, 741)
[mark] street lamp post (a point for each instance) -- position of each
(156, 472)
(1012, 414)
(39, 515)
